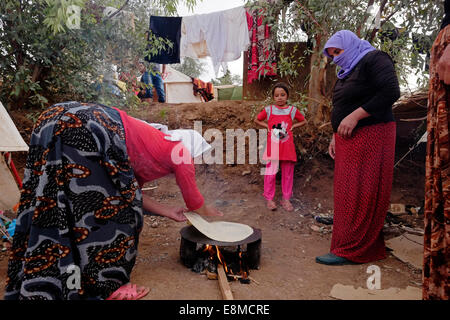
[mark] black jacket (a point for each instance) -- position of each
(372, 85)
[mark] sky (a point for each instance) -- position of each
(208, 6)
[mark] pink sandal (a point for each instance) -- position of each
(286, 204)
(271, 205)
(129, 292)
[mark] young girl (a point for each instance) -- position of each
(280, 148)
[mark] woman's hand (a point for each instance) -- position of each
(332, 147)
(210, 211)
(175, 213)
(349, 123)
(346, 126)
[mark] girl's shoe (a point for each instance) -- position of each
(271, 205)
(287, 205)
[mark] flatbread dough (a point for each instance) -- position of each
(220, 230)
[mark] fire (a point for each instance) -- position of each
(215, 253)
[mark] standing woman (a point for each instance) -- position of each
(81, 207)
(363, 147)
(437, 179)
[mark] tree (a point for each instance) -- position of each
(44, 60)
(227, 78)
(191, 67)
(387, 24)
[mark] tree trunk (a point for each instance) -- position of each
(317, 105)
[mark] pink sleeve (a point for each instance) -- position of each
(299, 116)
(185, 177)
(262, 115)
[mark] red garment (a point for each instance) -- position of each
(281, 118)
(261, 59)
(205, 89)
(151, 158)
(363, 173)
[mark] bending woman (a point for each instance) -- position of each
(363, 148)
(81, 204)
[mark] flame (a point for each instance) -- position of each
(214, 252)
(221, 259)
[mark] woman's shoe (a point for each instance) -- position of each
(129, 292)
(271, 205)
(333, 260)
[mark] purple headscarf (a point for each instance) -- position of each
(354, 50)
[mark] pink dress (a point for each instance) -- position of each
(280, 150)
(280, 136)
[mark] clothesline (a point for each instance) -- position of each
(221, 35)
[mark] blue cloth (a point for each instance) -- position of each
(153, 79)
(10, 228)
(168, 28)
(354, 50)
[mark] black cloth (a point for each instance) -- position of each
(372, 85)
(446, 20)
(168, 28)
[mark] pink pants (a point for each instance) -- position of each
(287, 179)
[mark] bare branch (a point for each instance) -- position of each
(118, 11)
(311, 15)
(366, 16)
(375, 30)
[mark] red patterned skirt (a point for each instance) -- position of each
(363, 173)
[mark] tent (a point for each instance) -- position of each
(228, 92)
(10, 140)
(178, 87)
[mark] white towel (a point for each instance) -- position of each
(191, 139)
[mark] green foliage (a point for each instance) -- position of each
(319, 19)
(227, 78)
(44, 59)
(191, 67)
(287, 64)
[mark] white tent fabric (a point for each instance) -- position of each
(9, 192)
(178, 87)
(10, 138)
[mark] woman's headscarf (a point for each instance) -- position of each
(446, 20)
(354, 50)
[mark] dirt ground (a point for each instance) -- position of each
(289, 245)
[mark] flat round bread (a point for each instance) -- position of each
(220, 230)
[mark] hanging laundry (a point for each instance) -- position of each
(193, 41)
(261, 57)
(205, 89)
(222, 35)
(168, 28)
(238, 36)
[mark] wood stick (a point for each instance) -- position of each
(149, 188)
(240, 277)
(223, 283)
